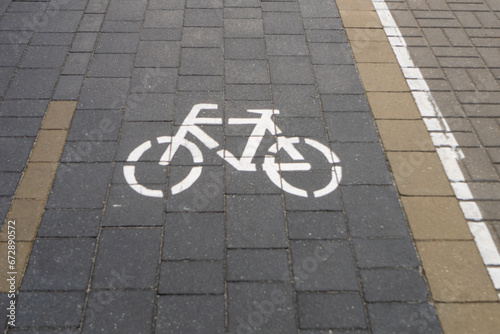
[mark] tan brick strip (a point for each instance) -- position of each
(460, 286)
(33, 190)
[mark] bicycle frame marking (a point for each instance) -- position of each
(262, 125)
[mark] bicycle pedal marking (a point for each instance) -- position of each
(262, 125)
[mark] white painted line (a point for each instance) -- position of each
(462, 191)
(471, 211)
(485, 243)
(495, 276)
(443, 139)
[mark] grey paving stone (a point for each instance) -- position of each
(160, 4)
(296, 101)
(11, 54)
(286, 45)
(92, 180)
(242, 3)
(362, 163)
(122, 26)
(76, 5)
(126, 10)
(117, 43)
(249, 183)
(380, 215)
(151, 174)
(326, 36)
(119, 312)
(68, 87)
(255, 221)
(14, 153)
(331, 54)
(242, 92)
(247, 72)
(97, 6)
(201, 61)
(351, 127)
(8, 183)
(316, 225)
(59, 264)
(287, 23)
(190, 314)
(150, 107)
(95, 125)
(373, 253)
(205, 4)
(15, 38)
(70, 223)
(4, 207)
(153, 80)
(242, 13)
(323, 266)
(30, 7)
(4, 304)
(126, 207)
(91, 23)
(302, 127)
(261, 308)
(84, 42)
(202, 37)
(19, 126)
(192, 277)
(186, 100)
(344, 102)
(127, 258)
(60, 21)
(244, 48)
(291, 70)
(111, 66)
(200, 83)
(193, 236)
(164, 19)
(19, 21)
(327, 310)
(323, 24)
(340, 79)
(207, 194)
(158, 54)
(77, 63)
(164, 34)
(257, 265)
(393, 285)
(321, 8)
(243, 28)
(203, 17)
(44, 57)
(33, 84)
(49, 309)
(5, 75)
(104, 93)
(340, 331)
(401, 318)
(65, 330)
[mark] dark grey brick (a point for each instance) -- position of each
(242, 92)
(403, 318)
(80, 186)
(190, 314)
(286, 45)
(372, 253)
(76, 63)
(111, 66)
(117, 43)
(192, 277)
(296, 101)
(257, 265)
(161, 4)
(8, 183)
(5, 75)
(200, 83)
(165, 34)
(76, 5)
(202, 37)
(362, 163)
(60, 21)
(327, 310)
(194, 236)
(127, 258)
(150, 107)
(205, 4)
(33, 83)
(84, 42)
(244, 48)
(331, 54)
(97, 6)
(242, 13)
(4, 304)
(15, 38)
(121, 312)
(122, 26)
(18, 21)
(44, 57)
(95, 125)
(30, 7)
(316, 225)
(249, 183)
(91, 23)
(126, 10)
(104, 93)
(380, 214)
(323, 266)
(19, 126)
(14, 153)
(186, 100)
(261, 308)
(126, 207)
(321, 8)
(247, 72)
(68, 87)
(4, 207)
(344, 103)
(393, 285)
(340, 79)
(291, 70)
(242, 3)
(310, 182)
(255, 221)
(154, 80)
(23, 108)
(243, 28)
(11, 53)
(70, 223)
(151, 174)
(59, 264)
(351, 127)
(288, 23)
(203, 18)
(326, 36)
(50, 309)
(52, 38)
(302, 127)
(323, 24)
(164, 19)
(201, 61)
(158, 54)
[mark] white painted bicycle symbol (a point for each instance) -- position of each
(262, 125)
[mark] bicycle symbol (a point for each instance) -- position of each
(262, 125)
